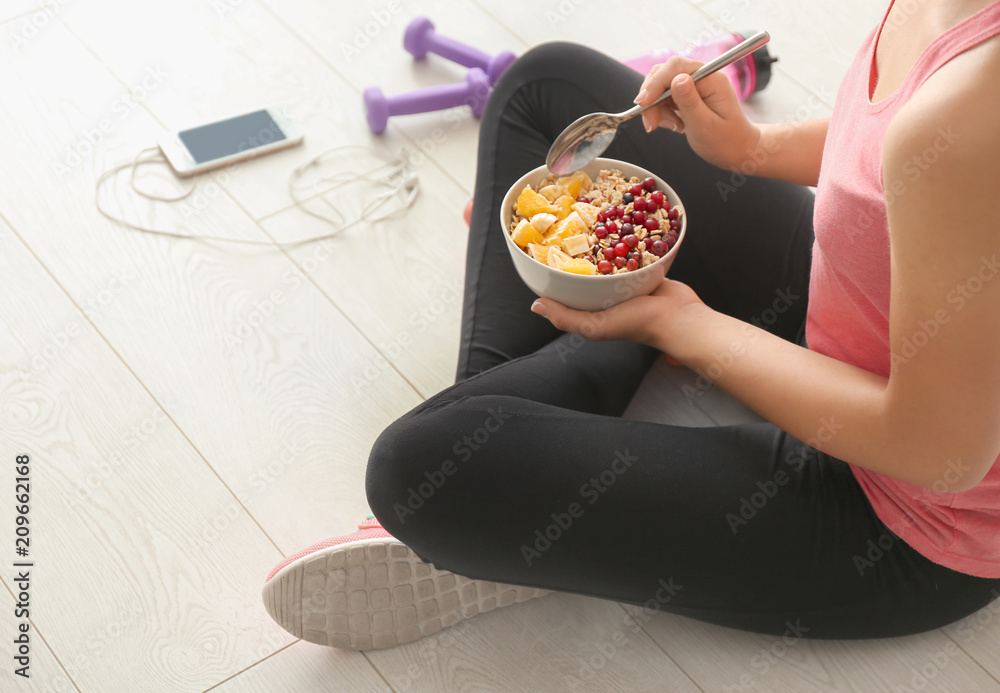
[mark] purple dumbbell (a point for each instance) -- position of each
(420, 38)
(473, 92)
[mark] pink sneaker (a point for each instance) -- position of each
(368, 591)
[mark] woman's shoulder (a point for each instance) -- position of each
(956, 108)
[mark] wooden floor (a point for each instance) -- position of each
(186, 432)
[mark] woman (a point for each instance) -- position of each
(867, 506)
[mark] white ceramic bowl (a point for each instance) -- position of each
(581, 291)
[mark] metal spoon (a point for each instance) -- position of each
(586, 138)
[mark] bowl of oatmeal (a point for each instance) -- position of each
(594, 238)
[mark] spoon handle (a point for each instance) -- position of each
(731, 56)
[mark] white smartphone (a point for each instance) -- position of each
(224, 142)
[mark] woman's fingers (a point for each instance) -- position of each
(590, 325)
(658, 80)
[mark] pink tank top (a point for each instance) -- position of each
(848, 315)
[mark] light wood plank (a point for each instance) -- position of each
(45, 673)
(122, 588)
(979, 636)
(302, 667)
(815, 41)
(399, 281)
(332, 30)
(558, 643)
(792, 664)
(697, 392)
(264, 392)
(659, 400)
(30, 16)
(222, 62)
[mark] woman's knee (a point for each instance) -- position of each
(550, 60)
(405, 464)
(415, 458)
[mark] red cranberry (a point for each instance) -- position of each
(602, 217)
(626, 218)
(649, 184)
(651, 224)
(583, 199)
(619, 262)
(638, 217)
(659, 248)
(632, 265)
(621, 250)
(604, 267)
(591, 260)
(627, 228)
(675, 225)
(611, 226)
(636, 190)
(658, 198)
(601, 231)
(639, 204)
(609, 254)
(672, 215)
(670, 241)
(631, 241)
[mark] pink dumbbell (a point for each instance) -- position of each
(420, 38)
(472, 92)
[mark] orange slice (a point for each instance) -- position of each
(530, 203)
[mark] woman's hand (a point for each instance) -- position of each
(707, 112)
(649, 320)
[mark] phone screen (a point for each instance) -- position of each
(228, 137)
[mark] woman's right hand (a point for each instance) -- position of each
(707, 112)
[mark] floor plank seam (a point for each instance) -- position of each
(677, 664)
(140, 382)
(38, 632)
(257, 222)
(248, 668)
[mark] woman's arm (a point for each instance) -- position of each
(935, 421)
(719, 131)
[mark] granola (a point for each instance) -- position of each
(609, 225)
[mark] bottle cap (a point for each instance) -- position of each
(763, 60)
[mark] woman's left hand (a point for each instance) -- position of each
(649, 320)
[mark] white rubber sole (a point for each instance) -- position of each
(375, 593)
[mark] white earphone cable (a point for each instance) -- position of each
(394, 174)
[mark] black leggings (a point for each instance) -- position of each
(523, 472)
